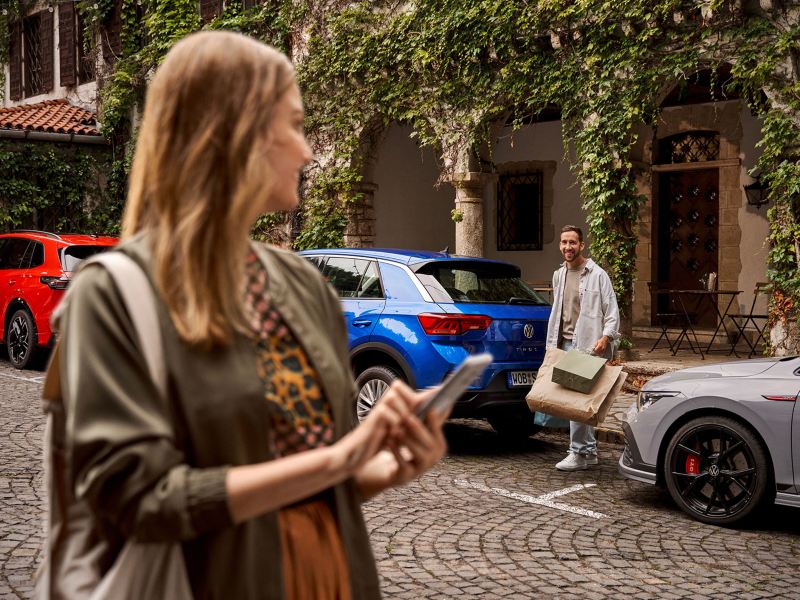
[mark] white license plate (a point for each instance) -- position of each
(521, 378)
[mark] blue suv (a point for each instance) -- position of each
(416, 315)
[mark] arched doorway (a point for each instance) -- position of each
(687, 213)
(702, 127)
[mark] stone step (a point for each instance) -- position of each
(643, 365)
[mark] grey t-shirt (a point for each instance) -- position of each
(572, 303)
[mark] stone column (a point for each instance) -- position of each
(360, 229)
(469, 202)
(641, 309)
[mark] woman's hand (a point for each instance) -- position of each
(256, 489)
(390, 447)
(385, 421)
(413, 451)
(421, 448)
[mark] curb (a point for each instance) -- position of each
(609, 436)
(602, 434)
(641, 372)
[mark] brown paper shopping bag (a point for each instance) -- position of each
(554, 399)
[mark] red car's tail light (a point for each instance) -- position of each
(443, 324)
(55, 283)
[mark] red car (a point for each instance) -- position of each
(35, 269)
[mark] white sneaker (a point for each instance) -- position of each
(576, 462)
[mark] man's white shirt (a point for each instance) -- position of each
(599, 314)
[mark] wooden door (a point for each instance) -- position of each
(688, 231)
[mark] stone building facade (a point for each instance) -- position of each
(406, 204)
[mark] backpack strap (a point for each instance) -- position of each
(139, 299)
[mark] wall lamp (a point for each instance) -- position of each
(756, 193)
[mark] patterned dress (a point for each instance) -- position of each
(314, 562)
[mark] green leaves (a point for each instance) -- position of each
(452, 69)
(55, 188)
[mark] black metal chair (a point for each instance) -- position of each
(667, 319)
(740, 320)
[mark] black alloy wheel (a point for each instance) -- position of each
(21, 339)
(716, 470)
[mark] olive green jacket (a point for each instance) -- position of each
(157, 472)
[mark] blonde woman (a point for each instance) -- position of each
(251, 465)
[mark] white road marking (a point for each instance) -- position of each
(38, 379)
(543, 500)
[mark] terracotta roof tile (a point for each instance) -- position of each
(54, 116)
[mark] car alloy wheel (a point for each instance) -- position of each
(368, 395)
(21, 339)
(372, 383)
(716, 470)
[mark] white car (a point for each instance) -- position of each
(722, 438)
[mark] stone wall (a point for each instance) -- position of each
(360, 229)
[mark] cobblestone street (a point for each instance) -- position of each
(21, 429)
(492, 521)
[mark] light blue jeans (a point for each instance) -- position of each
(581, 435)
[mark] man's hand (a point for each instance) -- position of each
(600, 346)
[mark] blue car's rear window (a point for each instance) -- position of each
(476, 282)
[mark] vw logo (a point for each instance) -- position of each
(528, 330)
(713, 470)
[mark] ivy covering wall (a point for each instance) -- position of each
(452, 70)
(56, 187)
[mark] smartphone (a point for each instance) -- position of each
(455, 384)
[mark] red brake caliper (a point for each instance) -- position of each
(692, 465)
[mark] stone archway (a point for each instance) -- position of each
(360, 229)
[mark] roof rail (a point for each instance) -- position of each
(46, 233)
(91, 235)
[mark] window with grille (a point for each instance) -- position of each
(30, 55)
(520, 211)
(693, 146)
(34, 83)
(210, 10)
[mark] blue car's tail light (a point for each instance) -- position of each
(444, 324)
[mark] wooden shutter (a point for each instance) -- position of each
(46, 34)
(86, 64)
(67, 49)
(210, 9)
(112, 43)
(15, 61)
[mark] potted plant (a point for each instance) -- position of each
(624, 350)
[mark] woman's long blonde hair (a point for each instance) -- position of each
(200, 173)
